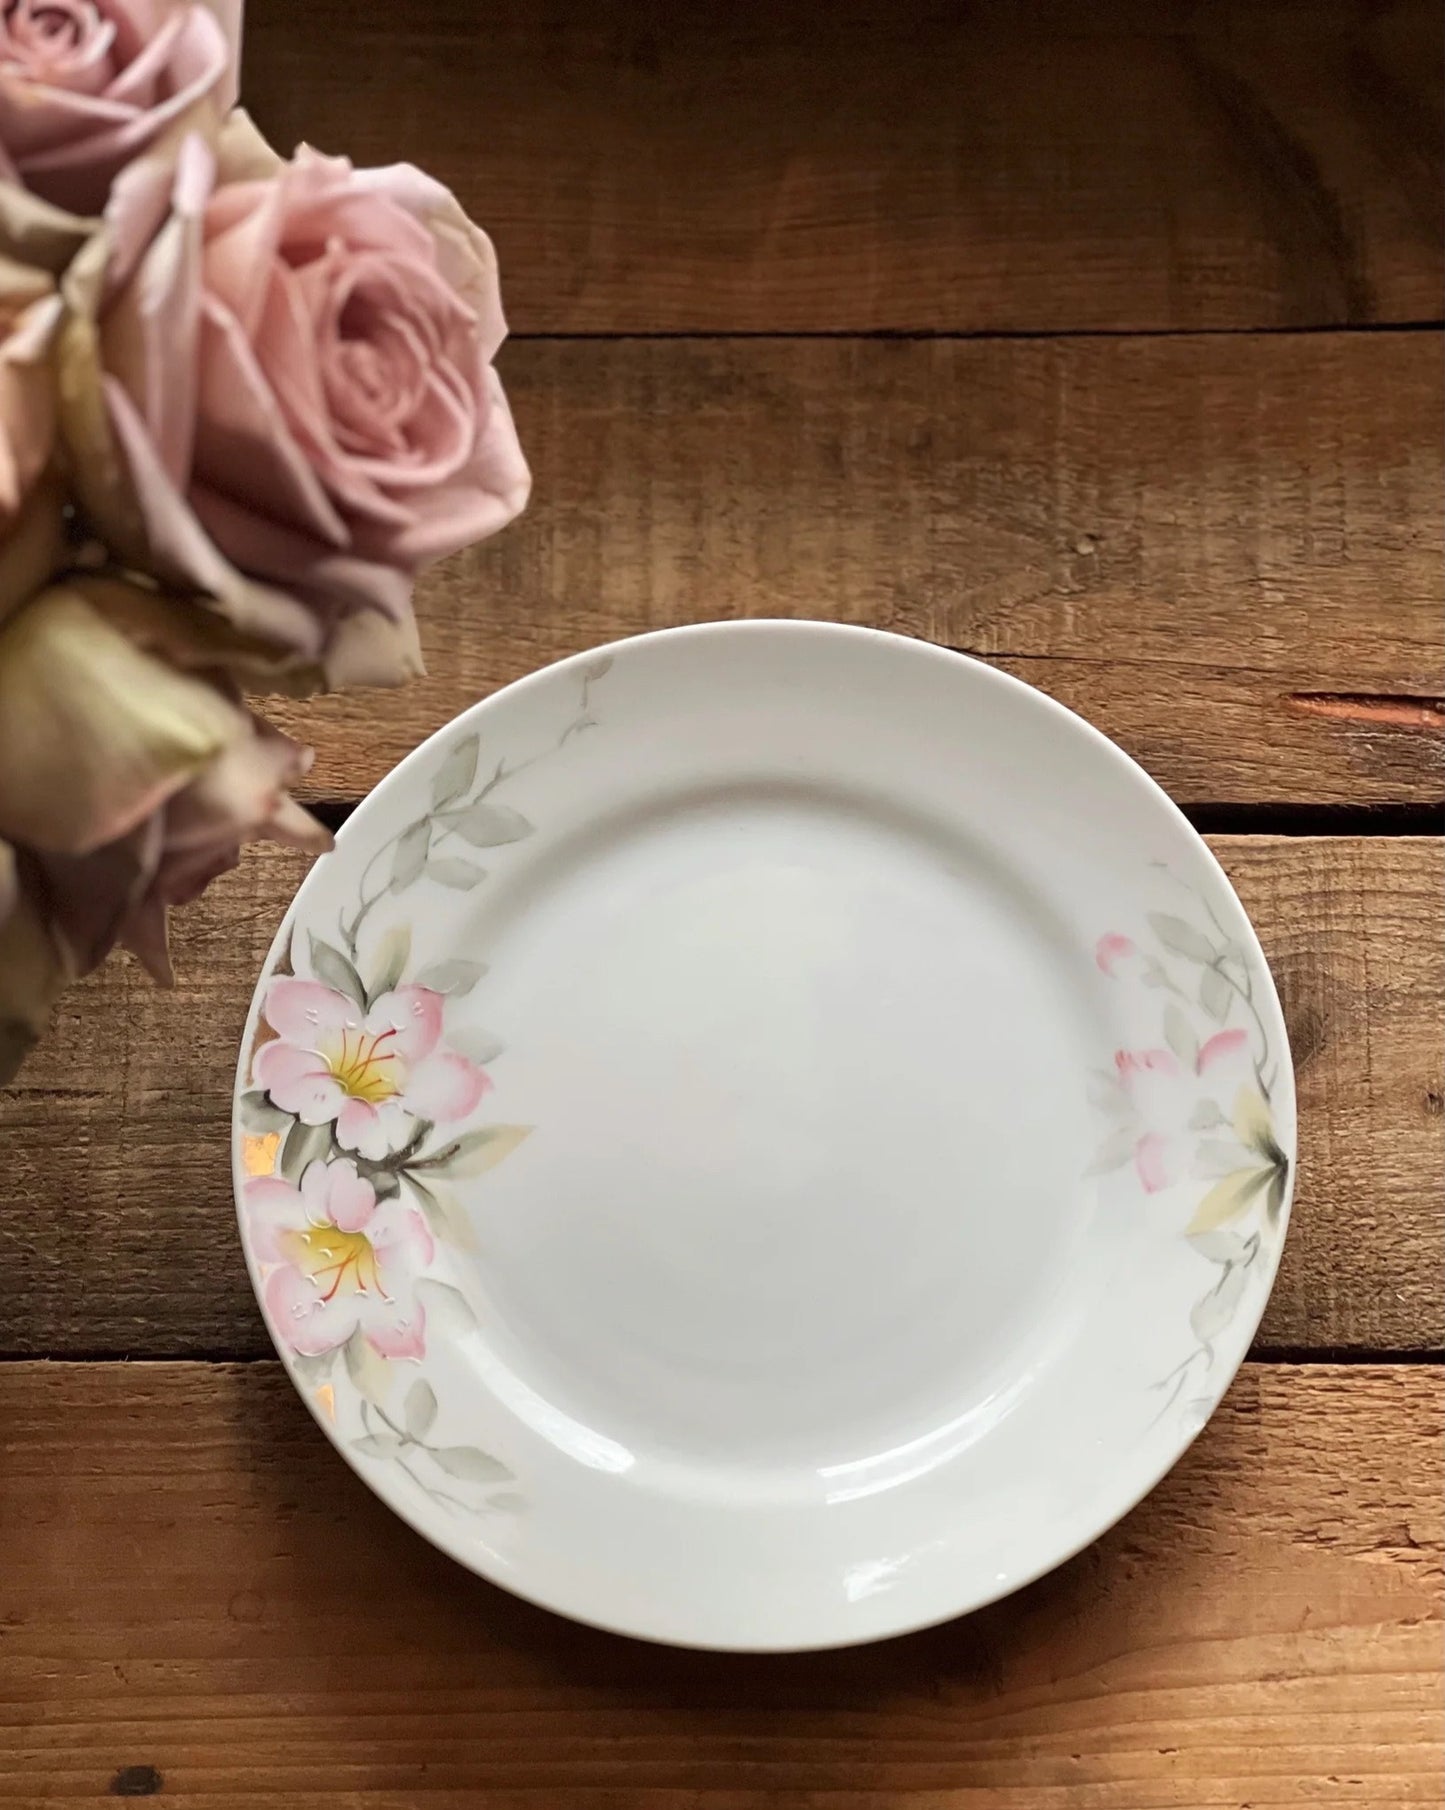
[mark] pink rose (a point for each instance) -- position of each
(339, 1261)
(289, 403)
(37, 242)
(86, 85)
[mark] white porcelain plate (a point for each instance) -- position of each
(766, 1136)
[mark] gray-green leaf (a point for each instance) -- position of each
(1114, 1152)
(475, 1044)
(366, 1368)
(1212, 1315)
(1194, 1414)
(447, 870)
(1221, 1245)
(1206, 1116)
(478, 1151)
(1179, 1035)
(507, 1499)
(259, 1113)
(448, 1311)
(410, 856)
(378, 1445)
(332, 968)
(443, 1214)
(1217, 1156)
(1215, 994)
(488, 825)
(304, 1145)
(470, 1464)
(453, 976)
(456, 772)
(388, 965)
(421, 1408)
(1181, 938)
(310, 1370)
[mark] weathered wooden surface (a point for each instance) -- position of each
(1226, 552)
(117, 1235)
(1223, 547)
(1039, 166)
(195, 1587)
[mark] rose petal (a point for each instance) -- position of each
(91, 897)
(243, 234)
(465, 255)
(137, 83)
(180, 547)
(241, 428)
(489, 494)
(33, 973)
(94, 734)
(151, 332)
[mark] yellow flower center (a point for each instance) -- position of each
(336, 1261)
(365, 1068)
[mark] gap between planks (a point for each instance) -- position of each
(983, 335)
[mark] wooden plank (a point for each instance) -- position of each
(116, 1227)
(1037, 166)
(1226, 552)
(197, 1592)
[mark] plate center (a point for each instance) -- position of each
(806, 1074)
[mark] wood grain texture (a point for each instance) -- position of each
(117, 1231)
(195, 1585)
(1034, 166)
(1193, 542)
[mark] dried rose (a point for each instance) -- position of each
(130, 775)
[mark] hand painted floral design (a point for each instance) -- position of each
(368, 1079)
(1194, 1110)
(344, 1261)
(1255, 1168)
(374, 1072)
(1161, 1094)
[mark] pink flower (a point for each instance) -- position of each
(290, 405)
(1167, 1100)
(374, 1073)
(344, 1261)
(86, 85)
(1220, 1048)
(1111, 950)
